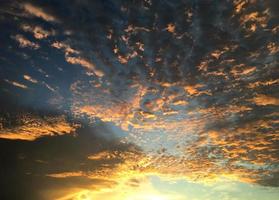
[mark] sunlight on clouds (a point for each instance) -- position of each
(29, 78)
(24, 42)
(32, 127)
(264, 100)
(72, 56)
(191, 95)
(123, 191)
(37, 31)
(17, 84)
(38, 12)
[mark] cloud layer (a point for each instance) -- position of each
(185, 89)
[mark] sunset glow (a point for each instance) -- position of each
(139, 100)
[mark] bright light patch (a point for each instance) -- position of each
(146, 197)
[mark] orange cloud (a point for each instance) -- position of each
(194, 90)
(23, 42)
(242, 70)
(103, 155)
(71, 56)
(37, 31)
(254, 20)
(38, 12)
(32, 127)
(239, 5)
(66, 174)
(263, 83)
(80, 61)
(263, 100)
(105, 107)
(217, 53)
(67, 48)
(272, 47)
(261, 18)
(170, 28)
(29, 78)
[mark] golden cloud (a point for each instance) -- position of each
(29, 78)
(71, 56)
(37, 31)
(242, 70)
(194, 90)
(263, 83)
(263, 100)
(32, 127)
(24, 42)
(38, 12)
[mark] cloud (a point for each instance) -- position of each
(71, 56)
(31, 127)
(272, 47)
(68, 50)
(263, 100)
(66, 174)
(38, 12)
(241, 70)
(14, 83)
(24, 42)
(66, 168)
(85, 63)
(170, 28)
(209, 136)
(263, 83)
(29, 78)
(199, 97)
(37, 31)
(193, 90)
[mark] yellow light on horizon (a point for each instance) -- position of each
(146, 197)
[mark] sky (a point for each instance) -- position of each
(139, 99)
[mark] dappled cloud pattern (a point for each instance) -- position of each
(28, 127)
(190, 94)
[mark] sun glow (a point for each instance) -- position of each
(146, 197)
(144, 190)
(86, 195)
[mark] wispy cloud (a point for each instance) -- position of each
(37, 31)
(24, 42)
(263, 100)
(38, 12)
(72, 56)
(17, 84)
(29, 78)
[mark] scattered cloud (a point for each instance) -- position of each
(37, 31)
(199, 106)
(29, 78)
(38, 12)
(24, 42)
(170, 28)
(263, 100)
(71, 56)
(17, 84)
(32, 127)
(85, 63)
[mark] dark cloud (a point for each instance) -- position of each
(26, 166)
